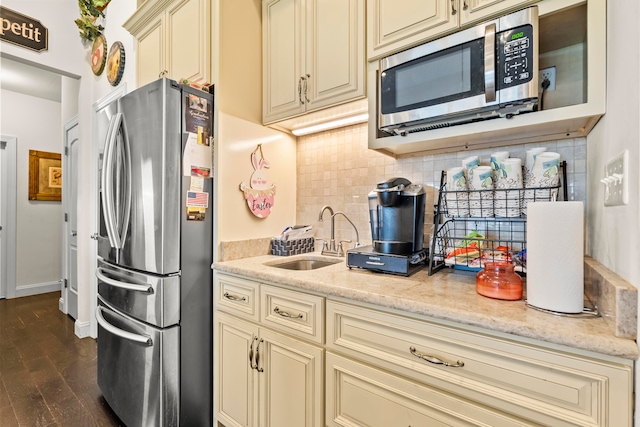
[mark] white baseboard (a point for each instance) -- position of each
(61, 305)
(38, 288)
(82, 329)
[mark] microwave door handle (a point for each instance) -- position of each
(142, 339)
(490, 62)
(108, 209)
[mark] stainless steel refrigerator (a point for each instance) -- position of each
(154, 257)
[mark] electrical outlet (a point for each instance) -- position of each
(616, 181)
(550, 74)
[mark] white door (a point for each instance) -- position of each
(70, 224)
(7, 216)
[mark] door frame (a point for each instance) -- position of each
(66, 208)
(8, 206)
(98, 148)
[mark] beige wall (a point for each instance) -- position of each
(337, 168)
(612, 232)
(38, 223)
(237, 139)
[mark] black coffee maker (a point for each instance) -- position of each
(396, 212)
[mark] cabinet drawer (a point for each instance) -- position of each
(236, 295)
(293, 312)
(360, 394)
(531, 382)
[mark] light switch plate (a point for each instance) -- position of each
(616, 181)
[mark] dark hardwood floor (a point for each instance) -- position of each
(47, 374)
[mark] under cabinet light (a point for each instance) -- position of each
(333, 124)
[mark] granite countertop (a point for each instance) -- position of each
(445, 295)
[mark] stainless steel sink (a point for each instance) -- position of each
(305, 264)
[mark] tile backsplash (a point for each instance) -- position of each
(336, 168)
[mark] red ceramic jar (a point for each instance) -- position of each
(499, 280)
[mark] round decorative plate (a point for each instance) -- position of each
(98, 55)
(115, 63)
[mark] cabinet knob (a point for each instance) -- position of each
(453, 7)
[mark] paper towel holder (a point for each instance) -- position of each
(587, 312)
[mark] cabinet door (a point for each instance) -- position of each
(394, 25)
(150, 52)
(188, 35)
(235, 382)
(476, 10)
(335, 52)
(291, 382)
(358, 394)
(283, 28)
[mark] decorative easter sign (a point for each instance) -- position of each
(259, 195)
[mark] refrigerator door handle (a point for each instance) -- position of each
(116, 220)
(142, 339)
(125, 285)
(108, 208)
(127, 176)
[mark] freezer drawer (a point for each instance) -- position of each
(138, 369)
(151, 299)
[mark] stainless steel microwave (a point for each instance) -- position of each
(483, 72)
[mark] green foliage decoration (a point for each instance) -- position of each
(90, 11)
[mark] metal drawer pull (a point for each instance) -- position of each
(285, 314)
(435, 360)
(259, 369)
(228, 296)
(142, 339)
(129, 286)
(251, 362)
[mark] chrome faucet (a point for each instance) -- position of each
(329, 247)
(340, 250)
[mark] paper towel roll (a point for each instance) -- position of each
(555, 256)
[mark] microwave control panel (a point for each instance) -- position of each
(515, 56)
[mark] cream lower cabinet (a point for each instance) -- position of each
(379, 368)
(385, 369)
(313, 55)
(263, 377)
(172, 40)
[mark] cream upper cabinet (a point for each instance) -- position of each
(150, 50)
(396, 24)
(313, 55)
(172, 40)
(572, 36)
(475, 10)
(264, 374)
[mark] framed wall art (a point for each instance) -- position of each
(45, 176)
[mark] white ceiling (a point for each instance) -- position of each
(29, 80)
